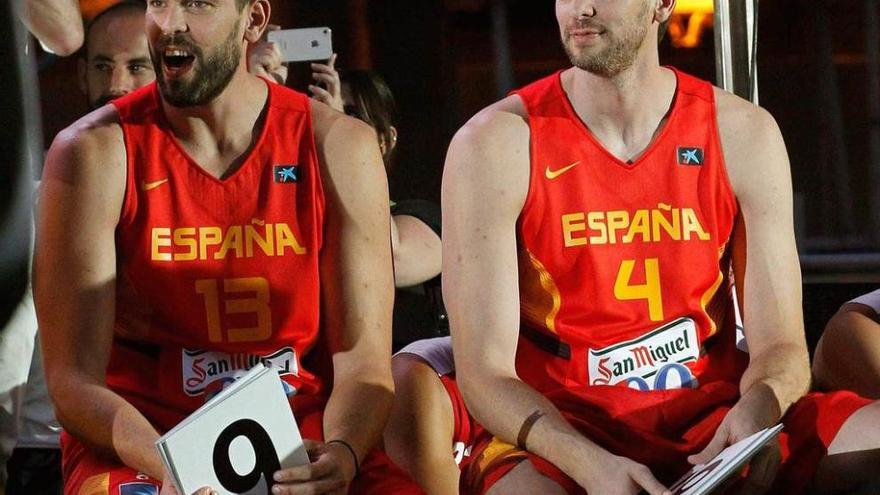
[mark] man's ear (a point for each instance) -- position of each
(392, 131)
(663, 10)
(81, 79)
(258, 13)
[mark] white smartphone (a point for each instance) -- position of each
(299, 45)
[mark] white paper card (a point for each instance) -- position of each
(237, 440)
(703, 478)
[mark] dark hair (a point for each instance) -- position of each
(373, 103)
(119, 6)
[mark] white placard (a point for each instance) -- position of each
(237, 440)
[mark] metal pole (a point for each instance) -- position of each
(723, 50)
(735, 47)
(501, 44)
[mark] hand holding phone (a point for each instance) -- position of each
(327, 88)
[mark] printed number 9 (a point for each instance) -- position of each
(266, 456)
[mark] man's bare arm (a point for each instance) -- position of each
(57, 24)
(766, 271)
(417, 251)
(74, 288)
(484, 188)
(765, 256)
(356, 280)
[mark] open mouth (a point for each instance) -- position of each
(177, 60)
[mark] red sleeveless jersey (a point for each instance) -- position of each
(624, 267)
(215, 275)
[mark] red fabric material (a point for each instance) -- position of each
(464, 426)
(215, 275)
(88, 474)
(611, 253)
(84, 472)
(809, 428)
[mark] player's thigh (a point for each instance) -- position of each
(853, 457)
(848, 357)
(524, 479)
(422, 411)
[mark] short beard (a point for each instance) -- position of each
(210, 76)
(618, 55)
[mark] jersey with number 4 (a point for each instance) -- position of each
(625, 265)
(215, 275)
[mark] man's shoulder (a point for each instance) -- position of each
(740, 120)
(95, 139)
(751, 142)
(503, 123)
(333, 128)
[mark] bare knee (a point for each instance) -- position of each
(853, 456)
(848, 353)
(524, 479)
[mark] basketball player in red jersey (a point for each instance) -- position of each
(197, 226)
(592, 221)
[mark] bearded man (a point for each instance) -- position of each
(208, 219)
(594, 222)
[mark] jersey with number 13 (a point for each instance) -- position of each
(214, 275)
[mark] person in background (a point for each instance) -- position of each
(848, 354)
(415, 229)
(428, 432)
(115, 59)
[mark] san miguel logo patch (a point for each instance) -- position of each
(690, 156)
(649, 361)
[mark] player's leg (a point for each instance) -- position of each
(497, 467)
(88, 474)
(851, 465)
(848, 354)
(524, 479)
(419, 433)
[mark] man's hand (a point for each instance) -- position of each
(331, 470)
(754, 412)
(619, 475)
(169, 489)
(264, 59)
(331, 93)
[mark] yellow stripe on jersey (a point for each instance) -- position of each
(98, 484)
(540, 299)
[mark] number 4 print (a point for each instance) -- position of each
(650, 290)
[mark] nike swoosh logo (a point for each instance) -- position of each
(148, 186)
(552, 174)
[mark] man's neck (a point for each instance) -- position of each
(625, 111)
(218, 133)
